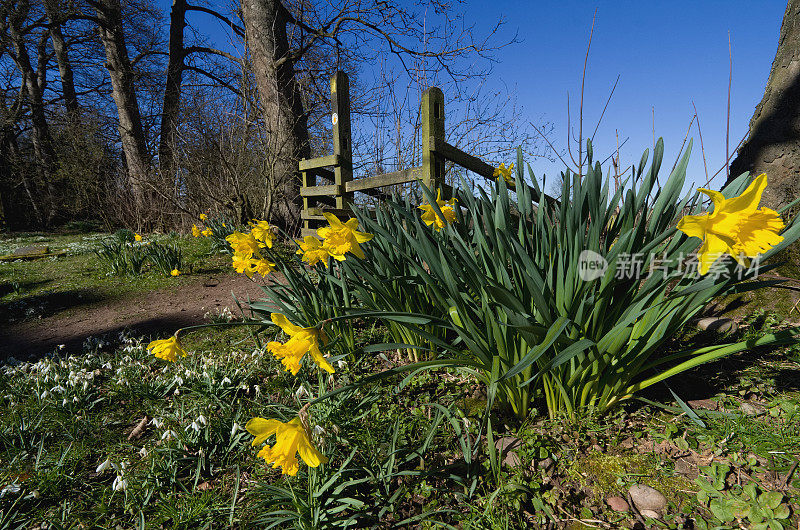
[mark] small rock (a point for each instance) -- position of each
(618, 504)
(753, 408)
(647, 498)
(627, 443)
(547, 463)
(707, 404)
(649, 513)
(507, 445)
(719, 325)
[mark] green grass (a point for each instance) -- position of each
(29, 289)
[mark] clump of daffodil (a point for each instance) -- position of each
(313, 251)
(341, 238)
(430, 217)
(505, 173)
(195, 231)
(301, 341)
(203, 217)
(247, 256)
(290, 439)
(175, 272)
(737, 226)
(207, 232)
(167, 349)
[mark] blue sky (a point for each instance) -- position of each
(667, 55)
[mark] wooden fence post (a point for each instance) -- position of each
(432, 118)
(340, 118)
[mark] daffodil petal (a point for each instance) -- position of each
(694, 225)
(262, 429)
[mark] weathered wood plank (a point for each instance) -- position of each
(316, 163)
(472, 163)
(316, 191)
(386, 179)
(309, 232)
(339, 212)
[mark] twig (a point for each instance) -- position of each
(580, 116)
(728, 124)
(699, 132)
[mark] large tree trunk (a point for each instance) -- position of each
(282, 107)
(62, 57)
(120, 70)
(172, 92)
(773, 144)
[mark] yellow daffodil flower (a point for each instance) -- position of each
(341, 238)
(736, 226)
(137, 237)
(505, 172)
(301, 341)
(264, 267)
(430, 217)
(312, 250)
(245, 244)
(195, 231)
(290, 439)
(207, 232)
(262, 231)
(175, 272)
(167, 349)
(203, 217)
(244, 264)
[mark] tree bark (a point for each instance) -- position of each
(773, 143)
(120, 70)
(281, 101)
(61, 52)
(172, 92)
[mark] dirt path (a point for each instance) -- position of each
(158, 311)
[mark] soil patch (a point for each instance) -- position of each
(156, 312)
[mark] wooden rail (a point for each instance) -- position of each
(337, 197)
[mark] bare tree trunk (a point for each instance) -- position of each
(282, 107)
(120, 70)
(172, 92)
(62, 57)
(773, 143)
(32, 85)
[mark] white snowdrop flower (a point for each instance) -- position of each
(176, 393)
(120, 484)
(168, 435)
(194, 426)
(318, 430)
(467, 423)
(58, 388)
(341, 364)
(107, 366)
(85, 385)
(257, 389)
(178, 380)
(234, 428)
(143, 452)
(226, 381)
(75, 399)
(10, 489)
(157, 423)
(102, 467)
(202, 420)
(64, 403)
(300, 392)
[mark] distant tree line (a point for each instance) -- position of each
(113, 111)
